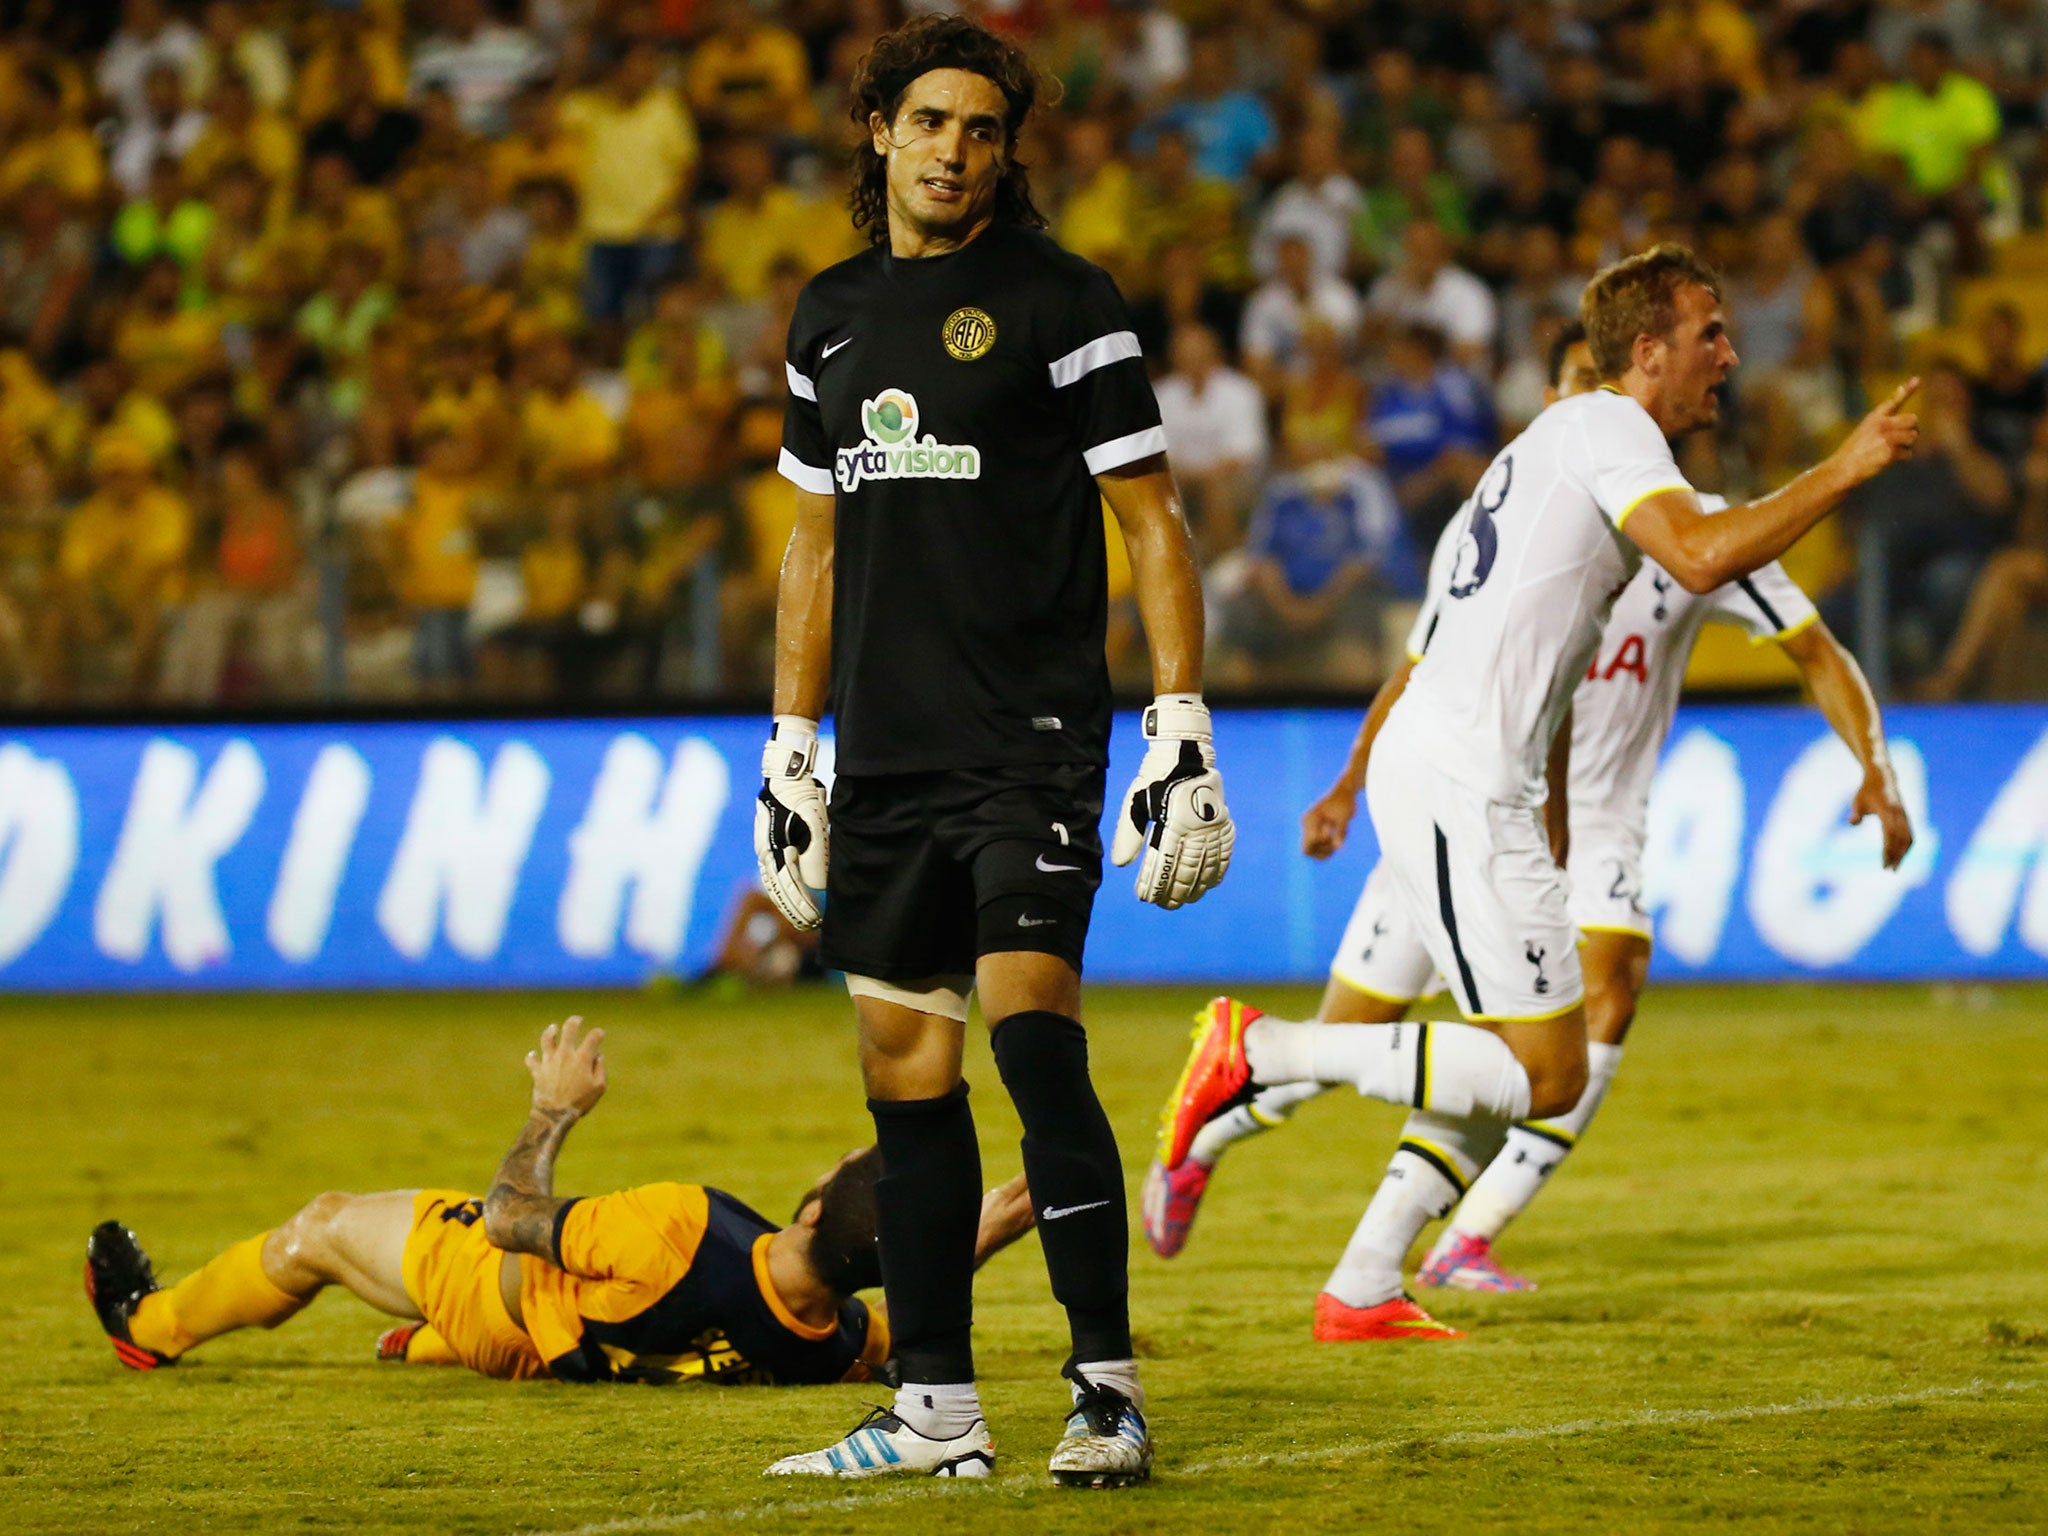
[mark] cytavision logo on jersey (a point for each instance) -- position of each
(894, 451)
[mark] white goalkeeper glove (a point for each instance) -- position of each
(790, 830)
(1174, 809)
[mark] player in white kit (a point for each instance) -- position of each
(1621, 711)
(1456, 781)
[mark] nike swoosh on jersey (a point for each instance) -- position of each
(1055, 869)
(1055, 1212)
(825, 352)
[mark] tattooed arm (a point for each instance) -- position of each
(568, 1079)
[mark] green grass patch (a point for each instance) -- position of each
(1793, 1282)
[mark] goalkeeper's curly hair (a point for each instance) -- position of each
(886, 72)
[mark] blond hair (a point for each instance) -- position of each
(1638, 296)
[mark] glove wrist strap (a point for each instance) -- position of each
(792, 748)
(1177, 717)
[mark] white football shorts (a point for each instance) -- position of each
(1381, 954)
(1605, 863)
(1476, 879)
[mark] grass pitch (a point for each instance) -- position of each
(1794, 1280)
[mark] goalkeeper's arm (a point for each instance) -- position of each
(1147, 507)
(803, 611)
(1174, 810)
(791, 837)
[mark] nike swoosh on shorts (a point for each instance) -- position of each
(1054, 869)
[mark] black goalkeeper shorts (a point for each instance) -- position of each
(930, 871)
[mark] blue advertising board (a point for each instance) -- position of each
(594, 852)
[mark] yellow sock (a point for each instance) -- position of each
(426, 1347)
(228, 1293)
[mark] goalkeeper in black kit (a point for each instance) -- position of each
(963, 397)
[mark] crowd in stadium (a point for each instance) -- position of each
(359, 350)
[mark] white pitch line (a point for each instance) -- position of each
(1647, 1418)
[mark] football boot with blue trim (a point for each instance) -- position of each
(1106, 1444)
(881, 1444)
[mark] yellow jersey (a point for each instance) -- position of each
(669, 1282)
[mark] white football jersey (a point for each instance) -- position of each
(1625, 701)
(1536, 560)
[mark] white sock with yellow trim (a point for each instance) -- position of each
(1453, 1069)
(1273, 1107)
(1436, 1162)
(1533, 1151)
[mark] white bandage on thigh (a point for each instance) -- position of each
(945, 996)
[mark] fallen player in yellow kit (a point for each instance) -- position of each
(660, 1283)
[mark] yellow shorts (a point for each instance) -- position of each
(451, 1274)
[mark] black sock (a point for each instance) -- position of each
(1077, 1180)
(928, 1208)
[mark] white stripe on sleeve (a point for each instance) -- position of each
(1099, 353)
(801, 475)
(1119, 451)
(800, 386)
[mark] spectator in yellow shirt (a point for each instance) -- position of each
(565, 433)
(678, 324)
(51, 143)
(120, 565)
(569, 624)
(436, 558)
(236, 130)
(551, 271)
(442, 302)
(239, 267)
(761, 222)
(164, 345)
(538, 146)
(767, 518)
(1720, 27)
(1177, 205)
(233, 44)
(685, 530)
(1096, 219)
(639, 161)
(554, 575)
(666, 419)
(349, 34)
(335, 207)
(29, 407)
(749, 76)
(107, 399)
(463, 393)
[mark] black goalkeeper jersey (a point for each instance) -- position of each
(959, 407)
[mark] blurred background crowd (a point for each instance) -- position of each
(432, 349)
